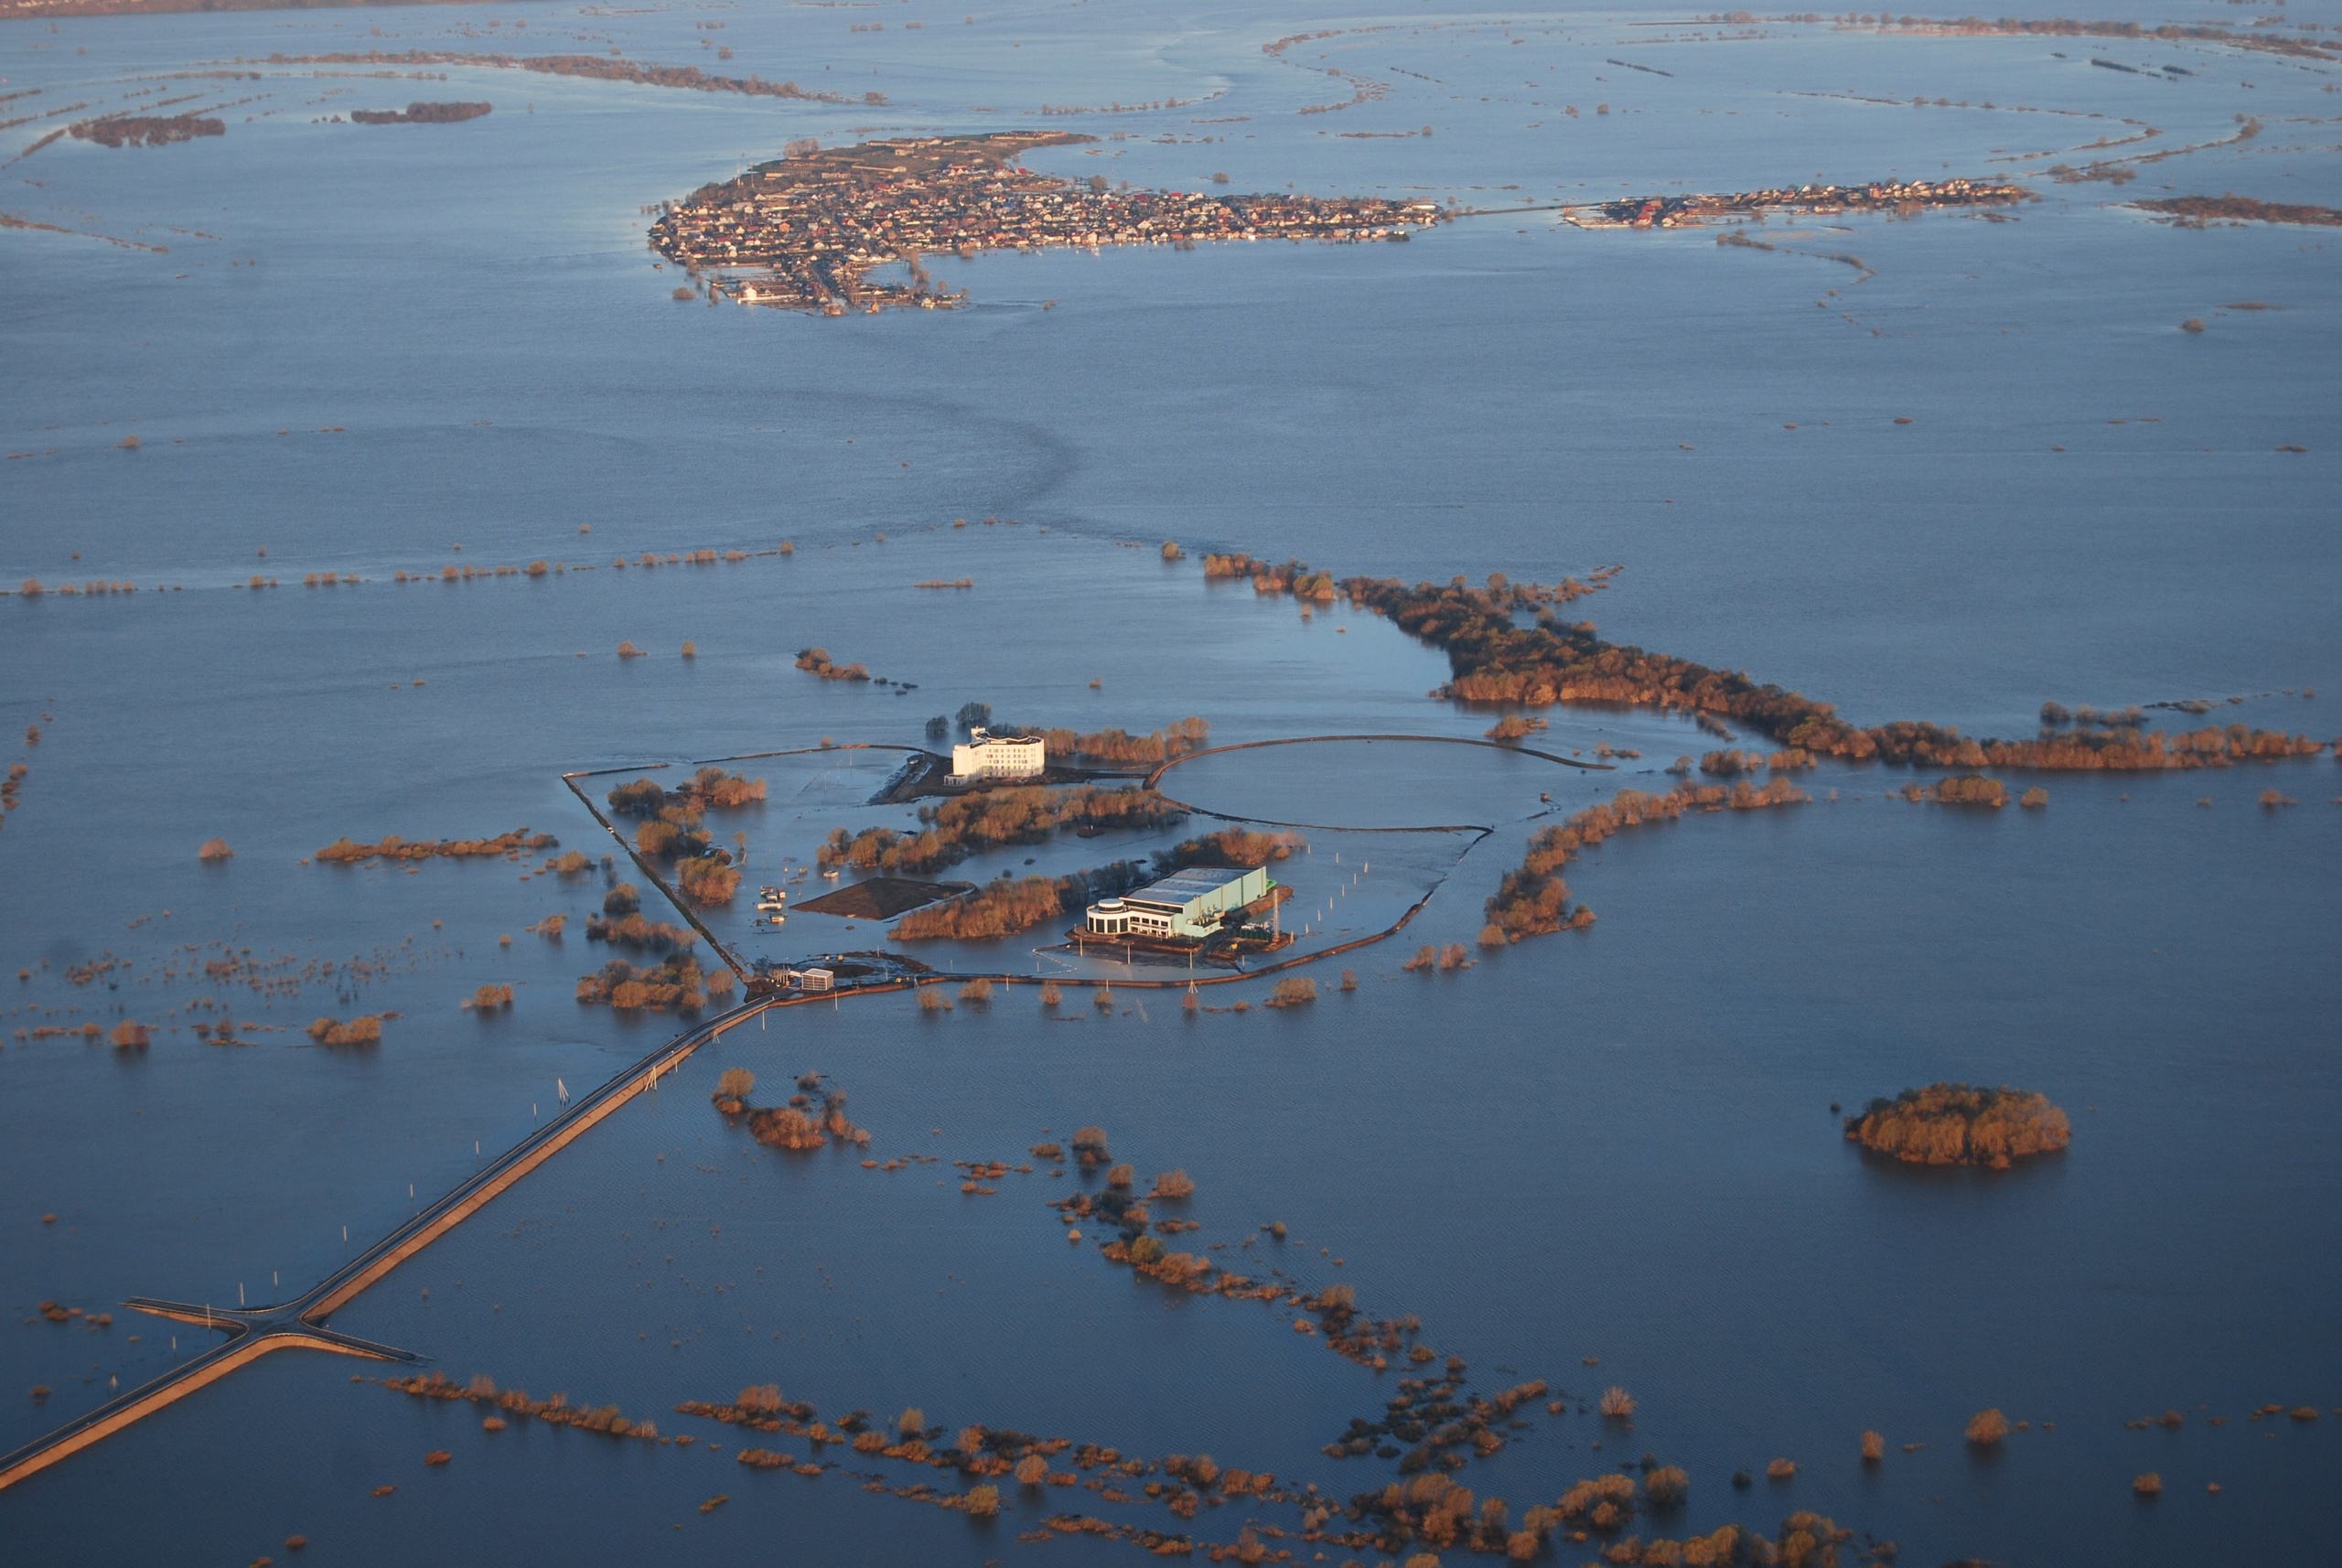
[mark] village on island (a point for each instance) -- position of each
(810, 227)
(805, 231)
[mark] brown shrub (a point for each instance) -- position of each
(1617, 1404)
(734, 1083)
(128, 1034)
(932, 1000)
(363, 1030)
(1121, 1176)
(998, 909)
(215, 849)
(708, 880)
(1295, 991)
(344, 851)
(1952, 1123)
(817, 661)
(786, 1127)
(713, 788)
(1874, 1447)
(1974, 790)
(1173, 1184)
(633, 931)
(1987, 1427)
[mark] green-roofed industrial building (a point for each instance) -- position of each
(1186, 907)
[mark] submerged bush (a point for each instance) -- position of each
(364, 1030)
(786, 1127)
(709, 879)
(1987, 1427)
(1952, 1123)
(1974, 790)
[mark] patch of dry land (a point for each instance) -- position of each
(2198, 212)
(813, 225)
(881, 897)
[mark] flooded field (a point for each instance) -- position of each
(392, 483)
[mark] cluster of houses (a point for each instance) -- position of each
(1676, 211)
(811, 229)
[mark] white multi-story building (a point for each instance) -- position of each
(990, 755)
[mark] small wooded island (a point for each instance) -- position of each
(1953, 1124)
(421, 113)
(147, 130)
(813, 224)
(1902, 197)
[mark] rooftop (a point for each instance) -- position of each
(1194, 883)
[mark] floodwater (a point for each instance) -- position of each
(389, 343)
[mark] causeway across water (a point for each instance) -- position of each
(254, 1332)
